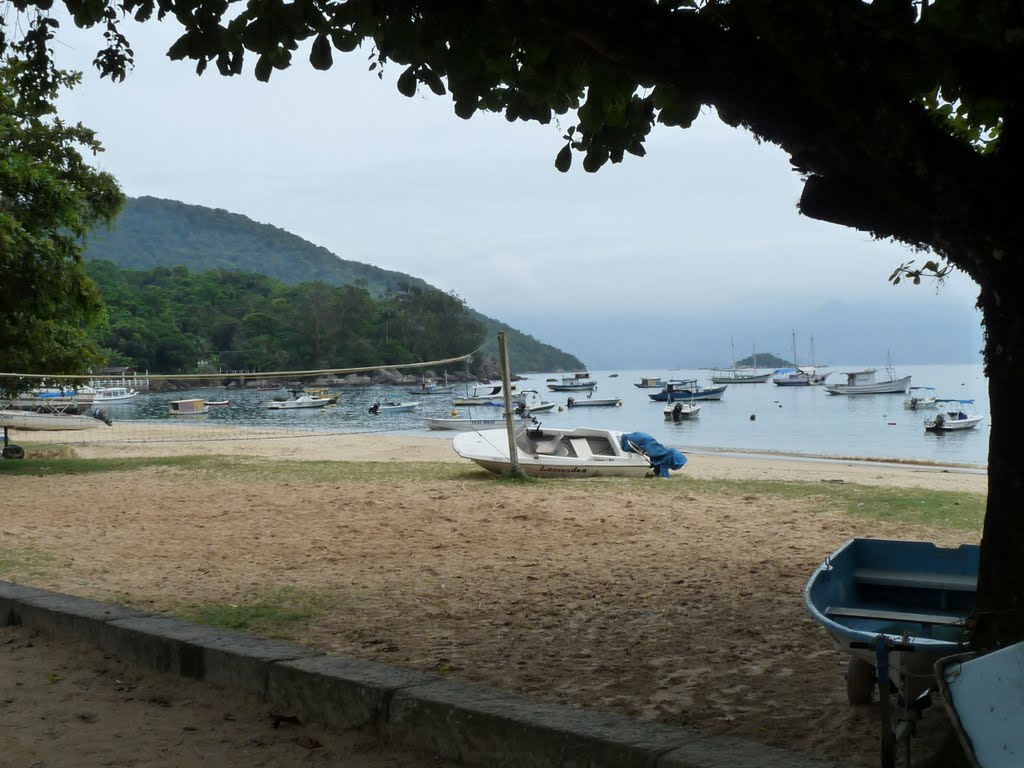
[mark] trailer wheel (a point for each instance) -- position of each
(860, 681)
(13, 452)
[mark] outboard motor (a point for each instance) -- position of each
(677, 412)
(374, 408)
(102, 415)
(569, 403)
(940, 420)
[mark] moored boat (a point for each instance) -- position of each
(114, 395)
(864, 382)
(655, 382)
(681, 411)
(192, 407)
(953, 416)
(382, 405)
(579, 382)
(468, 424)
(920, 398)
(593, 402)
(687, 390)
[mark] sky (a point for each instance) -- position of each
(657, 261)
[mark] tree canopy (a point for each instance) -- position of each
(49, 198)
(902, 116)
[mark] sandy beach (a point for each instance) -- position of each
(671, 600)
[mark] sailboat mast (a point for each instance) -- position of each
(795, 364)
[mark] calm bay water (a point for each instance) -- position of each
(790, 420)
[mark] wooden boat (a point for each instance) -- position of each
(51, 420)
(579, 382)
(913, 593)
(572, 453)
(800, 375)
(681, 411)
(191, 407)
(687, 390)
(383, 405)
(897, 608)
(953, 416)
(650, 383)
(920, 398)
(593, 402)
(864, 383)
(984, 696)
(739, 374)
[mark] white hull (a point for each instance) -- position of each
(302, 401)
(597, 402)
(569, 453)
(951, 425)
(894, 386)
(469, 425)
(30, 421)
(114, 395)
(395, 407)
(679, 411)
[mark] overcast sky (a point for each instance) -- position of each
(705, 226)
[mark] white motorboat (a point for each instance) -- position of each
(80, 397)
(51, 421)
(383, 405)
(920, 398)
(579, 382)
(593, 402)
(572, 453)
(114, 395)
(802, 376)
(300, 401)
(486, 394)
(953, 415)
(529, 401)
(680, 411)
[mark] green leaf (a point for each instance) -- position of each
(407, 83)
(320, 55)
(563, 161)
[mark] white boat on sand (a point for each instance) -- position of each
(953, 415)
(571, 453)
(51, 421)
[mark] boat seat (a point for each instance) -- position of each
(581, 447)
(547, 446)
(909, 616)
(954, 582)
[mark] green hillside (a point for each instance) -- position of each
(166, 233)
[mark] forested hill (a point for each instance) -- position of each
(154, 233)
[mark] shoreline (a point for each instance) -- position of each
(135, 440)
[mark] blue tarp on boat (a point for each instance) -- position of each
(662, 458)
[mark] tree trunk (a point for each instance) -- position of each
(999, 615)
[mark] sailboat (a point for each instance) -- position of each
(743, 375)
(799, 375)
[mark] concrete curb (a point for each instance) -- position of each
(461, 721)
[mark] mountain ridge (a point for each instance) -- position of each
(155, 232)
